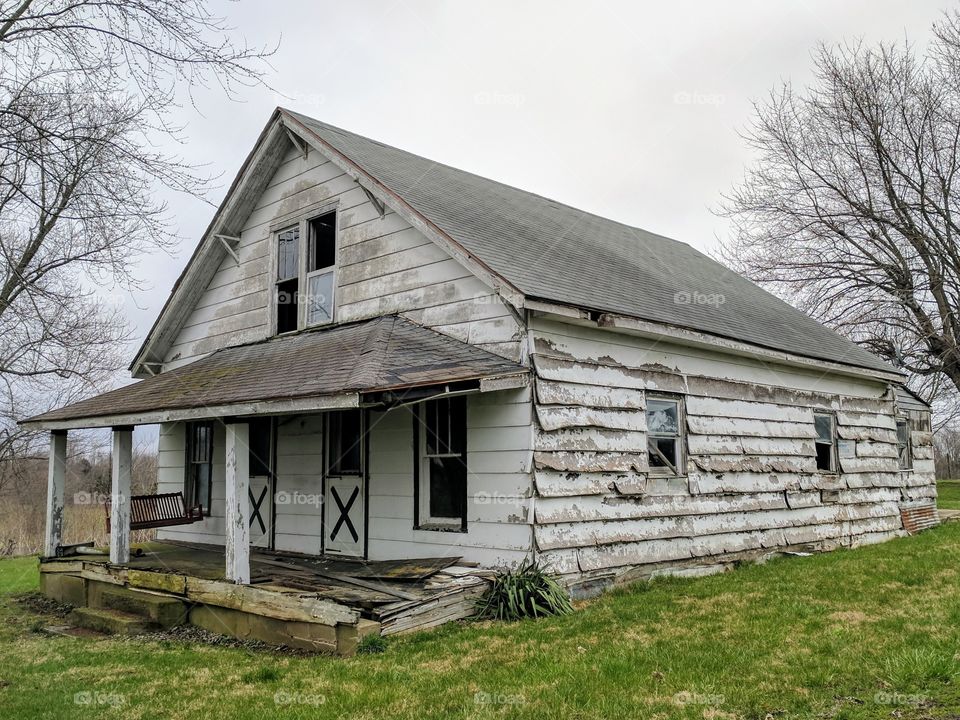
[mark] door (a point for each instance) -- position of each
(345, 512)
(262, 474)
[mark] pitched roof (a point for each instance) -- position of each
(386, 353)
(551, 251)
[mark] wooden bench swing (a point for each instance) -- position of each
(156, 511)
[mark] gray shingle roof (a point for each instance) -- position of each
(387, 353)
(554, 252)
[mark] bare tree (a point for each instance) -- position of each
(87, 91)
(852, 209)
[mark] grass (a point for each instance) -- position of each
(948, 494)
(869, 633)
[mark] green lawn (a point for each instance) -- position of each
(870, 633)
(948, 494)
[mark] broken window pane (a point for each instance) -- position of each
(824, 427)
(288, 253)
(663, 452)
(903, 445)
(323, 242)
(662, 416)
(320, 300)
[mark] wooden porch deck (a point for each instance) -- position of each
(394, 596)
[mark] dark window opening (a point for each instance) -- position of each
(323, 242)
(444, 499)
(664, 436)
(198, 483)
(261, 446)
(344, 447)
(288, 279)
(904, 453)
(825, 427)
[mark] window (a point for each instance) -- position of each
(306, 271)
(904, 452)
(664, 436)
(825, 443)
(199, 467)
(288, 278)
(344, 444)
(321, 266)
(442, 491)
(261, 446)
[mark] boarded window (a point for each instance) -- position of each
(261, 447)
(288, 278)
(825, 443)
(904, 452)
(443, 463)
(664, 435)
(321, 267)
(345, 443)
(198, 483)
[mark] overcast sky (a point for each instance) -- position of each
(627, 109)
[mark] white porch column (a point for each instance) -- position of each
(237, 524)
(56, 476)
(121, 464)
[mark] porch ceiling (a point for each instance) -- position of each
(315, 370)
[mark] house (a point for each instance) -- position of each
(374, 356)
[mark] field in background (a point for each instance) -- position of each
(948, 494)
(867, 633)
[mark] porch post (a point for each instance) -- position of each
(121, 463)
(56, 475)
(237, 525)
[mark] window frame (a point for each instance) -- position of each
(680, 437)
(423, 519)
(331, 469)
(189, 476)
(907, 446)
(278, 281)
(301, 219)
(328, 270)
(834, 453)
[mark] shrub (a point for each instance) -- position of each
(526, 592)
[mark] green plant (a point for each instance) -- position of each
(371, 644)
(525, 592)
(261, 674)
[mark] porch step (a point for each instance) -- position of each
(166, 612)
(111, 621)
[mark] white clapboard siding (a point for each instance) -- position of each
(555, 417)
(751, 428)
(384, 266)
(578, 509)
(714, 407)
(565, 393)
(591, 438)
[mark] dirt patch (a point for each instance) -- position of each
(36, 603)
(849, 617)
(192, 635)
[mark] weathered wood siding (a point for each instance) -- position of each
(750, 483)
(170, 478)
(384, 267)
(499, 484)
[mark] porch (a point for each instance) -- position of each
(310, 603)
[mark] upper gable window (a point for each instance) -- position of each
(321, 267)
(288, 278)
(306, 261)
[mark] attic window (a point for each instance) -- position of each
(288, 278)
(321, 268)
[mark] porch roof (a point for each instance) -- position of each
(314, 370)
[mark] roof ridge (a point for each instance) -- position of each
(515, 188)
